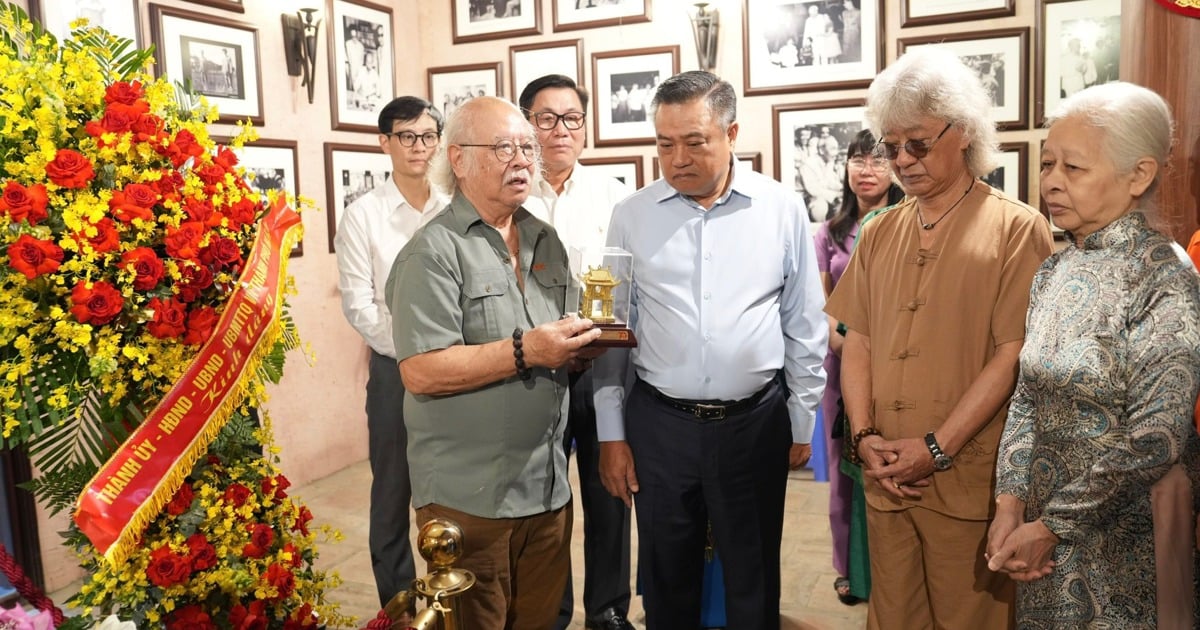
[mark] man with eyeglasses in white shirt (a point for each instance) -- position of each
(578, 202)
(370, 234)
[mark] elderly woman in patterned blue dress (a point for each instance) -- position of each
(1101, 418)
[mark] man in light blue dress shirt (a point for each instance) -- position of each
(727, 310)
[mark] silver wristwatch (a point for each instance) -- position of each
(941, 461)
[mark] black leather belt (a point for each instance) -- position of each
(710, 410)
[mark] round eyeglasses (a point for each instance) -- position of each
(408, 138)
(915, 148)
(549, 120)
(872, 163)
(506, 150)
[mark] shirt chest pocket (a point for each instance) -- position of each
(486, 315)
(551, 281)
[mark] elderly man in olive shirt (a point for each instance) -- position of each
(478, 298)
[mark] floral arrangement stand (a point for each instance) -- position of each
(144, 288)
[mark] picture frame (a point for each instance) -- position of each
(794, 46)
(271, 164)
(809, 143)
(1000, 57)
(1079, 46)
(1012, 175)
(627, 169)
(619, 100)
(476, 21)
(753, 159)
(530, 61)
(217, 56)
(351, 171)
(451, 86)
(119, 17)
(569, 16)
(361, 63)
(926, 12)
(229, 5)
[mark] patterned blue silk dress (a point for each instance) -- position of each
(1103, 407)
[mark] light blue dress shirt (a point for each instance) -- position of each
(722, 299)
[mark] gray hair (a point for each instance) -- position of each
(1133, 123)
(933, 81)
(459, 125)
(686, 87)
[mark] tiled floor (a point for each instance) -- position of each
(808, 600)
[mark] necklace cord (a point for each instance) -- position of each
(930, 226)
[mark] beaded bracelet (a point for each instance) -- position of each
(523, 370)
(858, 437)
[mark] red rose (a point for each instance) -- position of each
(281, 578)
(117, 118)
(182, 501)
(106, 238)
(194, 279)
(182, 148)
(170, 318)
(167, 568)
(303, 516)
(303, 618)
(203, 555)
(244, 212)
(147, 128)
(24, 204)
(200, 324)
(253, 618)
(34, 257)
(201, 211)
(236, 494)
(211, 174)
(184, 241)
(190, 617)
(146, 265)
(123, 92)
(297, 557)
(276, 485)
(135, 201)
(261, 534)
(226, 158)
(168, 184)
(222, 253)
(70, 169)
(96, 303)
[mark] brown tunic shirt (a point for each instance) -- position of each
(935, 317)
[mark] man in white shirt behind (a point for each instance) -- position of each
(578, 202)
(370, 233)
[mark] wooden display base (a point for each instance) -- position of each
(614, 336)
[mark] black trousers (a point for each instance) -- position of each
(732, 473)
(391, 489)
(606, 522)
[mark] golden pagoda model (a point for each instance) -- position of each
(598, 285)
(603, 293)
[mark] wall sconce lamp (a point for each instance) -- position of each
(300, 46)
(705, 26)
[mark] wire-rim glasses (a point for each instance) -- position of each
(506, 150)
(916, 148)
(408, 138)
(549, 120)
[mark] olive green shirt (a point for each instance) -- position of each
(495, 452)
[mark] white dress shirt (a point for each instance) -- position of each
(582, 212)
(722, 299)
(369, 235)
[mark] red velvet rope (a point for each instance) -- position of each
(25, 586)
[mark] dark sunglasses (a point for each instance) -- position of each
(915, 148)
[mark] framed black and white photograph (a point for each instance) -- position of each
(1000, 58)
(218, 57)
(451, 86)
(361, 54)
(271, 168)
(479, 20)
(626, 169)
(810, 45)
(1080, 46)
(623, 83)
(924, 12)
(228, 5)
(1012, 175)
(118, 17)
(571, 15)
(752, 159)
(530, 61)
(351, 171)
(810, 150)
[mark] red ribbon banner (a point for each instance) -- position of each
(1190, 8)
(135, 484)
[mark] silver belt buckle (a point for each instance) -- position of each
(709, 412)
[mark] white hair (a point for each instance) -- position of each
(459, 125)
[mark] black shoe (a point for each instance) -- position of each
(609, 620)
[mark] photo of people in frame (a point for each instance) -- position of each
(362, 41)
(630, 94)
(820, 165)
(213, 68)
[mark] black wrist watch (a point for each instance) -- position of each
(941, 461)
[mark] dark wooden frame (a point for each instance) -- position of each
(331, 200)
(160, 12)
(1009, 8)
(229, 5)
(864, 78)
(271, 143)
(495, 66)
(1022, 151)
(37, 12)
(1022, 65)
(334, 38)
(1040, 78)
(632, 160)
(521, 31)
(577, 44)
(598, 138)
(632, 18)
(779, 110)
